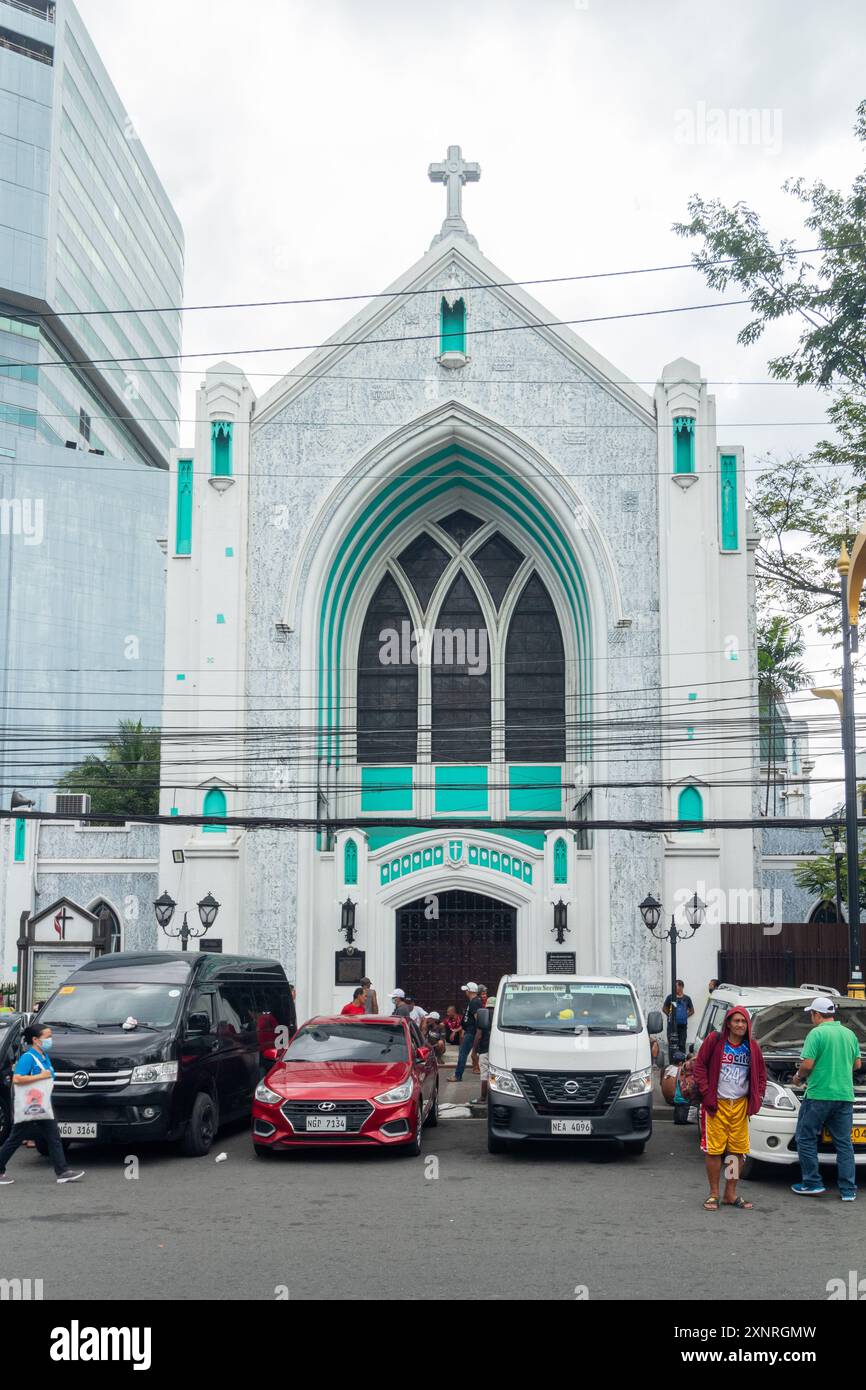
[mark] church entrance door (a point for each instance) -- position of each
(445, 939)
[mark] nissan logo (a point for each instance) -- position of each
(571, 1088)
(80, 1079)
(326, 1105)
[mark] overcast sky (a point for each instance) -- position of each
(293, 137)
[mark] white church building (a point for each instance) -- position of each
(447, 592)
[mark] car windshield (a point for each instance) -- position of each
(785, 1026)
(568, 1007)
(101, 1006)
(344, 1042)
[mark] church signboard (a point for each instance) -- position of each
(561, 963)
(52, 944)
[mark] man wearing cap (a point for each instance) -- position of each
(830, 1057)
(434, 1033)
(401, 1008)
(473, 1004)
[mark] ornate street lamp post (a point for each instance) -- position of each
(651, 911)
(164, 908)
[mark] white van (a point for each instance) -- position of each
(569, 1059)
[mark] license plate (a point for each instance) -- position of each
(858, 1135)
(571, 1126)
(329, 1123)
(77, 1131)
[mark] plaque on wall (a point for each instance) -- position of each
(562, 963)
(349, 967)
(211, 943)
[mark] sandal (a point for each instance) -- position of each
(711, 1204)
(741, 1204)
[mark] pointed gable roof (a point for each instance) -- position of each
(432, 271)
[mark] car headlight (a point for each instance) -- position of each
(398, 1094)
(153, 1072)
(499, 1080)
(776, 1098)
(638, 1084)
(265, 1094)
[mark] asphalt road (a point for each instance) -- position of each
(540, 1224)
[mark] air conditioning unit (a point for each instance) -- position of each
(72, 804)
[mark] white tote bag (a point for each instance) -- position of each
(33, 1101)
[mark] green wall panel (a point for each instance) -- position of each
(386, 789)
(461, 788)
(534, 788)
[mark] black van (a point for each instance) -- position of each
(165, 1045)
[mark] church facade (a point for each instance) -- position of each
(447, 591)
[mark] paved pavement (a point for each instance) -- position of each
(538, 1224)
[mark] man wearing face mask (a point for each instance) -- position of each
(32, 1066)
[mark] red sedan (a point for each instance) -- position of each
(348, 1081)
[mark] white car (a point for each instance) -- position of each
(780, 1024)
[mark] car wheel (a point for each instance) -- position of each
(201, 1127)
(751, 1167)
(634, 1146)
(412, 1148)
(433, 1116)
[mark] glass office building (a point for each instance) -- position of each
(85, 436)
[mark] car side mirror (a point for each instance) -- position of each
(655, 1021)
(197, 1024)
(422, 1054)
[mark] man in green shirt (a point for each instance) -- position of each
(830, 1057)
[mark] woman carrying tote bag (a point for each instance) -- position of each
(33, 1082)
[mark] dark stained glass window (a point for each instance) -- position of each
(460, 525)
(387, 680)
(422, 562)
(460, 679)
(498, 561)
(534, 680)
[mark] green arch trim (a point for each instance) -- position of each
(399, 498)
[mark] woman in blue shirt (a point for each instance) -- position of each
(34, 1064)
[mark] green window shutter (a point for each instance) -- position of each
(350, 862)
(452, 327)
(20, 840)
(684, 444)
(221, 448)
(560, 862)
(214, 805)
(728, 501)
(690, 806)
(183, 537)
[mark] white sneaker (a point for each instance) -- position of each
(71, 1175)
(5, 1180)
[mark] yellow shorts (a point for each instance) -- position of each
(727, 1131)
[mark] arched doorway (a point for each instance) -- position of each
(445, 939)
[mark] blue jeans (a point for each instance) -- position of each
(463, 1055)
(836, 1116)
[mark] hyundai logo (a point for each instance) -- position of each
(571, 1088)
(80, 1079)
(326, 1105)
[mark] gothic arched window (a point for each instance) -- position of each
(350, 862)
(387, 720)
(534, 680)
(690, 805)
(101, 909)
(214, 805)
(560, 862)
(460, 679)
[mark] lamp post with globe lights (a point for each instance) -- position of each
(164, 908)
(651, 911)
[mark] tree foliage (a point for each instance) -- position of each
(125, 781)
(806, 506)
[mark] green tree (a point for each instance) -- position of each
(818, 876)
(780, 673)
(125, 781)
(805, 507)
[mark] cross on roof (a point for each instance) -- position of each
(454, 172)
